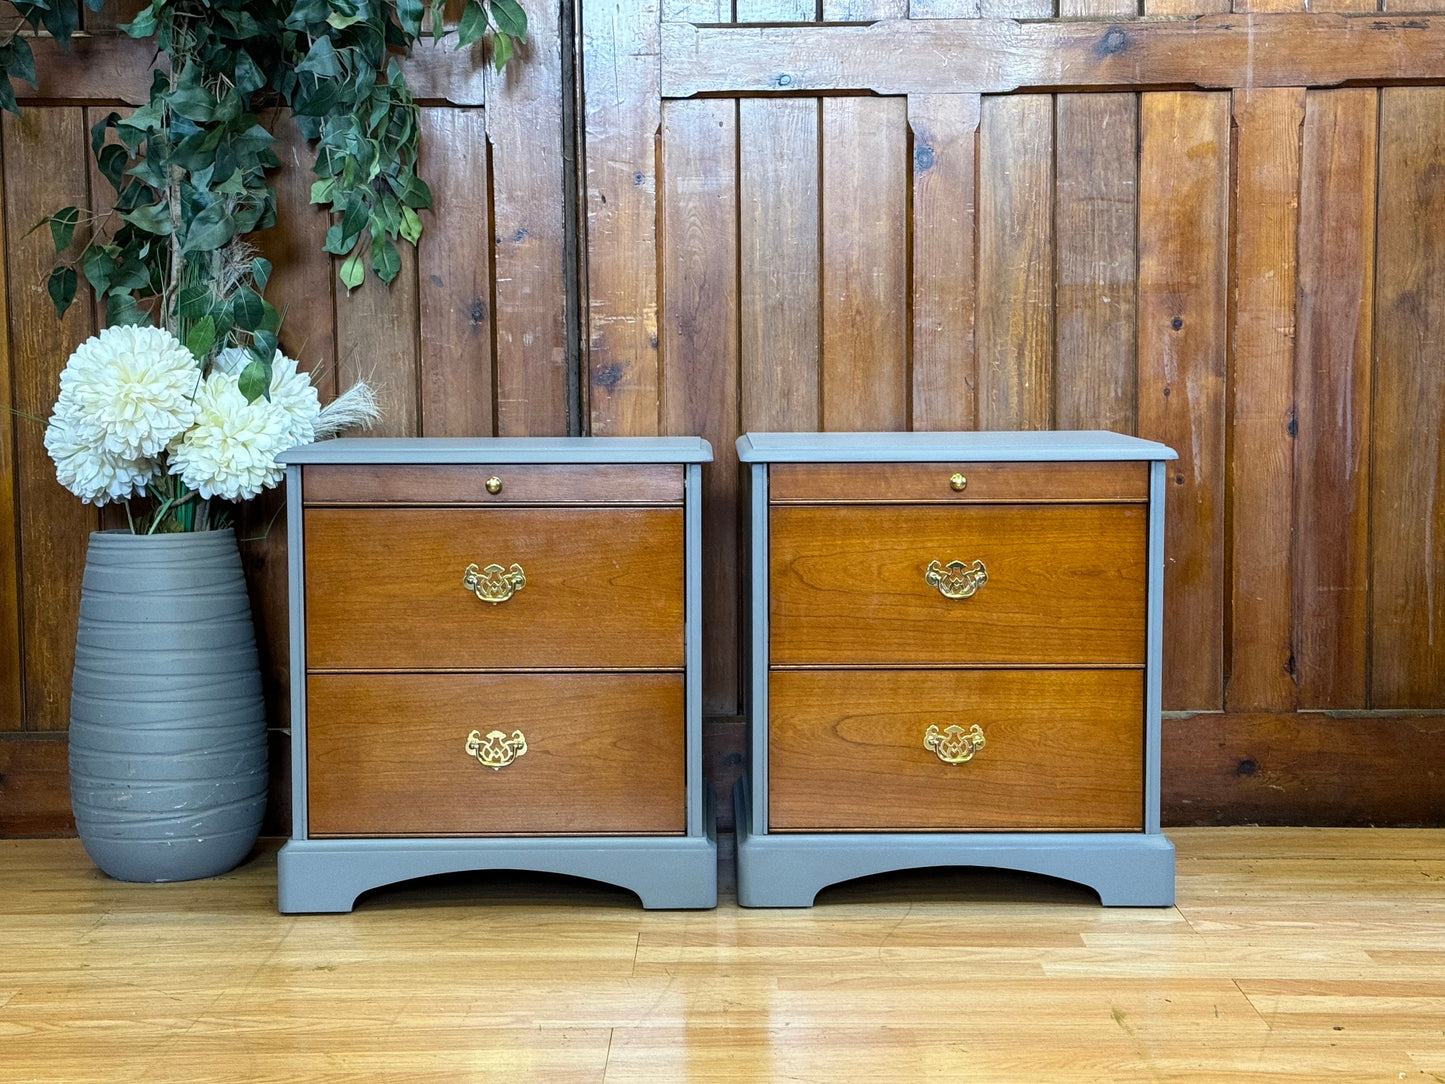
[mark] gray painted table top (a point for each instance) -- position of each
(1039, 446)
(502, 450)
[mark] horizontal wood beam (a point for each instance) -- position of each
(998, 56)
(113, 68)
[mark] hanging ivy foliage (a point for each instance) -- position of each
(189, 167)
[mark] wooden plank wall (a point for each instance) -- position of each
(834, 214)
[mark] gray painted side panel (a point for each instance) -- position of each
(424, 450)
(758, 564)
(665, 872)
(1154, 648)
(295, 563)
(692, 596)
(926, 447)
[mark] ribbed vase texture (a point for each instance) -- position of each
(167, 721)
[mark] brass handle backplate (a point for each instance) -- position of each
(496, 750)
(956, 579)
(494, 583)
(953, 744)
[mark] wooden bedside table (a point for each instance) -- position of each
(495, 663)
(954, 660)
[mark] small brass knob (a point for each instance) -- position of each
(494, 485)
(957, 482)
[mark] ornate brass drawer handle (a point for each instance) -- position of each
(494, 583)
(953, 744)
(496, 750)
(956, 579)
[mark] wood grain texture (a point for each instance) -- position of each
(774, 11)
(1065, 585)
(611, 745)
(521, 483)
(1001, 56)
(1096, 225)
(1183, 246)
(1262, 422)
(1064, 750)
(1304, 768)
(35, 786)
(384, 588)
(12, 688)
(846, 11)
(377, 341)
(1016, 9)
(931, 483)
(1084, 9)
(1332, 396)
(524, 124)
(1407, 493)
(945, 253)
(45, 169)
(865, 264)
(622, 116)
(778, 257)
(1015, 263)
(700, 386)
(1184, 7)
(454, 278)
(943, 9)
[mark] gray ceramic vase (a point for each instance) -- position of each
(167, 721)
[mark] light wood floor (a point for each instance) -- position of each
(1293, 954)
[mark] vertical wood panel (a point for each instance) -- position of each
(376, 341)
(776, 11)
(623, 111)
(1407, 499)
(1016, 9)
(1183, 239)
(945, 363)
(1084, 9)
(692, 11)
(1016, 262)
(1096, 222)
(778, 207)
(865, 264)
(1332, 396)
(857, 11)
(700, 351)
(524, 119)
(1261, 402)
(1185, 7)
(943, 9)
(12, 687)
(46, 168)
(454, 277)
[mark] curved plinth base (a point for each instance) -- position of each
(1127, 869)
(665, 871)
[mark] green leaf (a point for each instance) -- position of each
(509, 18)
(112, 160)
(144, 24)
(98, 264)
(340, 22)
(61, 284)
(473, 24)
(154, 218)
(385, 260)
(410, 225)
(321, 190)
(62, 226)
(121, 309)
(98, 130)
(501, 50)
(261, 272)
(409, 13)
(193, 301)
(19, 60)
(415, 193)
(321, 61)
(248, 309)
(202, 338)
(352, 271)
(61, 20)
(209, 230)
(255, 380)
(249, 77)
(7, 96)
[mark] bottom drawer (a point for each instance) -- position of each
(1063, 750)
(387, 755)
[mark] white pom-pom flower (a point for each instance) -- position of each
(88, 470)
(292, 395)
(129, 391)
(230, 452)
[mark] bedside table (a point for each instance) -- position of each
(496, 664)
(954, 660)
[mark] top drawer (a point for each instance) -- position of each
(956, 483)
(473, 484)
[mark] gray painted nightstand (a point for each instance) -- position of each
(496, 664)
(955, 651)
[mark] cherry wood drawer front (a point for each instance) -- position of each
(384, 590)
(1063, 750)
(386, 754)
(1066, 585)
(520, 483)
(932, 482)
